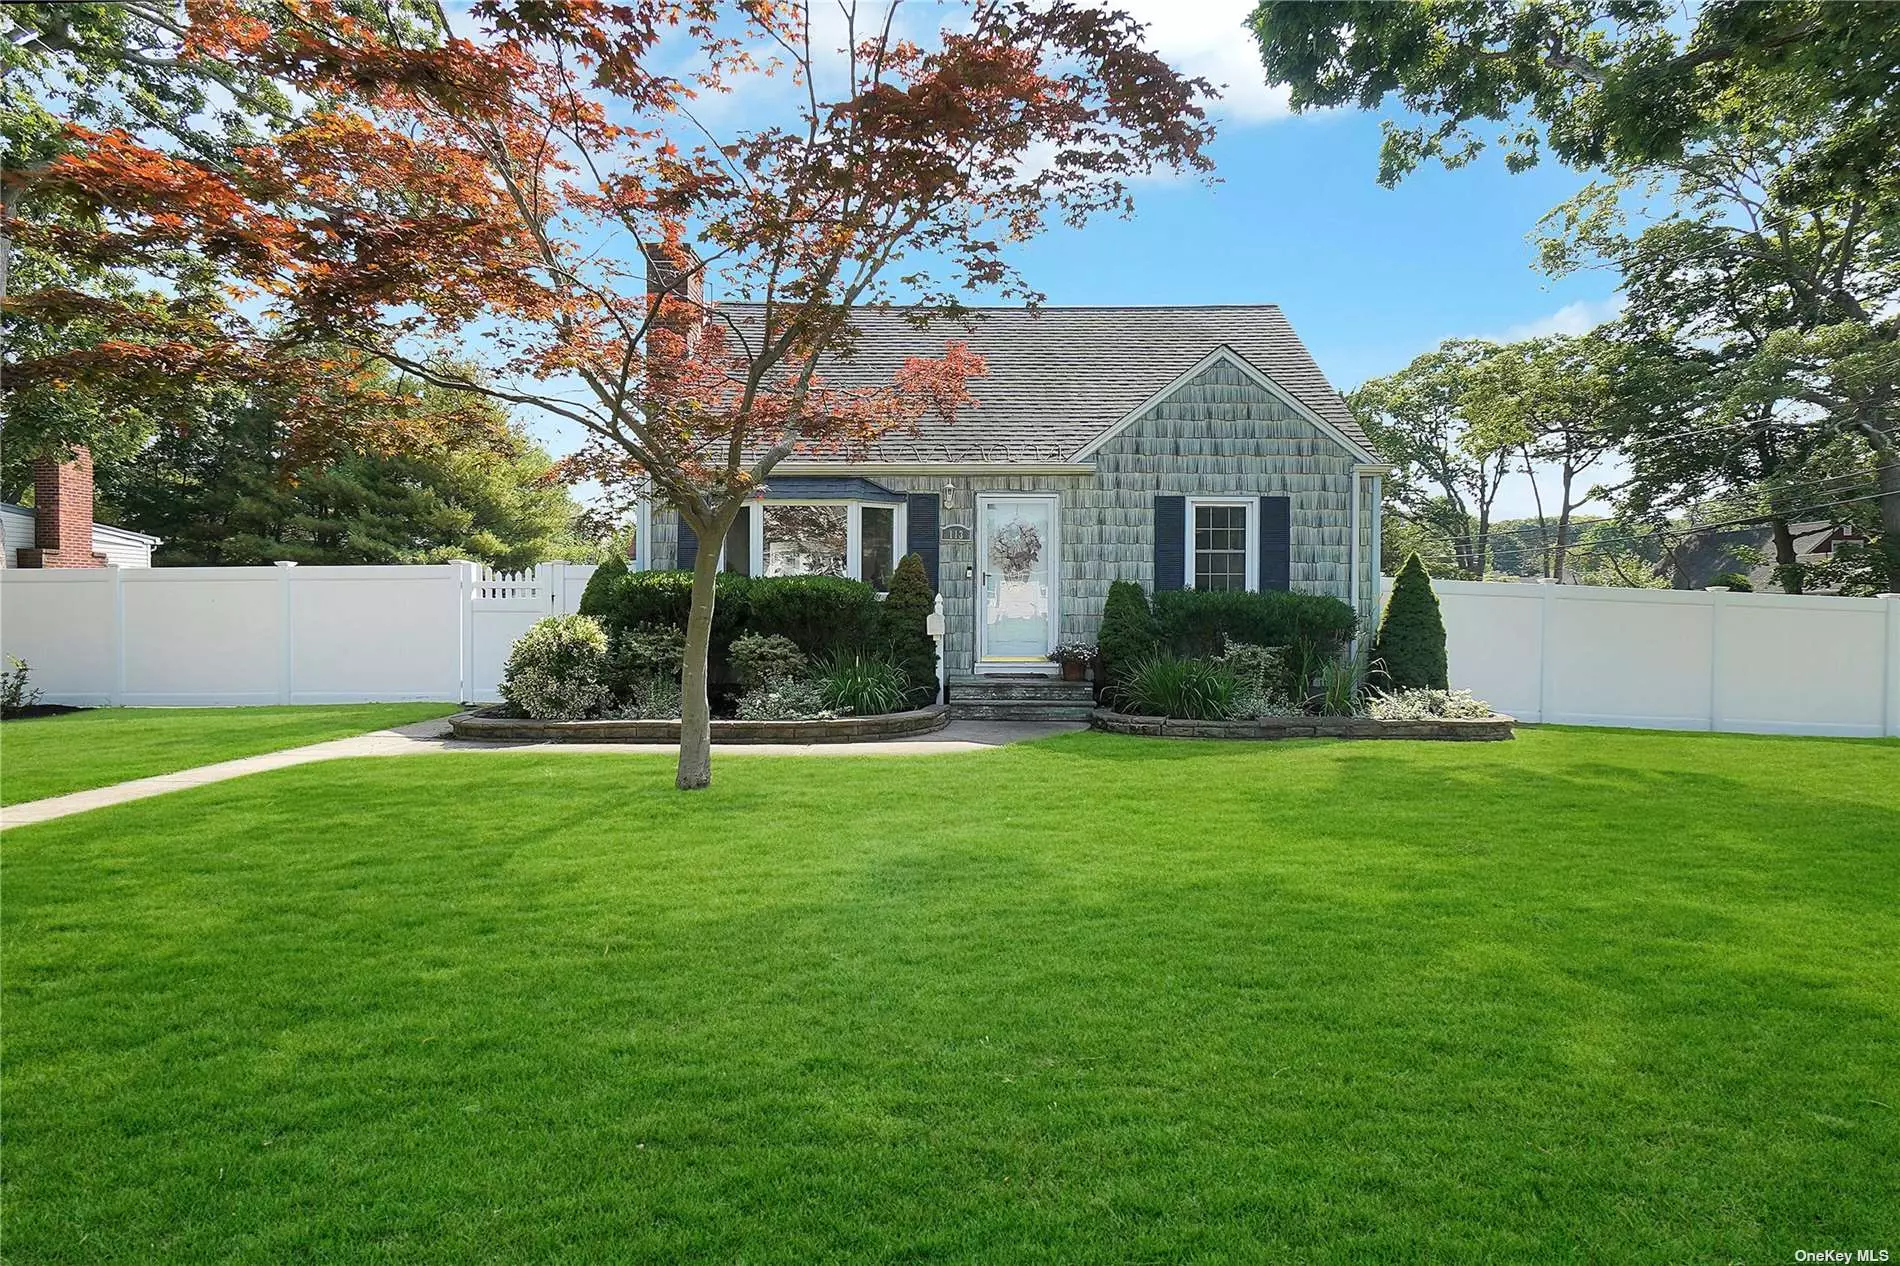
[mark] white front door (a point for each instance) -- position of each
(1018, 568)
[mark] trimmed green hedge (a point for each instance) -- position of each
(1199, 623)
(822, 614)
(666, 597)
(605, 577)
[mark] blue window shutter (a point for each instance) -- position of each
(922, 531)
(1170, 542)
(1276, 542)
(687, 545)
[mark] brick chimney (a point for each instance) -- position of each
(672, 269)
(62, 514)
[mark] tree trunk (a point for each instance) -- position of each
(1462, 549)
(1560, 552)
(1543, 525)
(1889, 504)
(1484, 542)
(695, 768)
(1787, 564)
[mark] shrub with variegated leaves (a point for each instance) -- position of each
(558, 671)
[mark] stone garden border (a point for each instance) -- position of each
(1490, 729)
(484, 726)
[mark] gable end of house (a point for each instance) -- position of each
(1224, 395)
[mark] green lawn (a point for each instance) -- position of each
(1587, 996)
(49, 756)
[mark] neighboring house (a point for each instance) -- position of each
(58, 530)
(1178, 447)
(1814, 544)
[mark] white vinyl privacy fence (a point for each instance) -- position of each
(180, 636)
(1557, 653)
(1762, 663)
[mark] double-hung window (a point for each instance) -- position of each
(1223, 543)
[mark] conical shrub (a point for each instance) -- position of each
(903, 614)
(1411, 642)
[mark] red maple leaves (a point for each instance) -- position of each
(498, 193)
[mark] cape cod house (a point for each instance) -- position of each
(1196, 447)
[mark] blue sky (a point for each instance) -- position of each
(1369, 276)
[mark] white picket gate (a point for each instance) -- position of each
(505, 605)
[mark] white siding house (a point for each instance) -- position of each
(122, 547)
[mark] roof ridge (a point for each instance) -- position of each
(1053, 307)
(1063, 373)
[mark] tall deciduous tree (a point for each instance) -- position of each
(1448, 474)
(1596, 82)
(1782, 297)
(1769, 124)
(512, 187)
(1551, 400)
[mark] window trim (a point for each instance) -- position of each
(1251, 507)
(853, 530)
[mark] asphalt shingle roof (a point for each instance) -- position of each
(1060, 376)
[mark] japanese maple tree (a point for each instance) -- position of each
(508, 188)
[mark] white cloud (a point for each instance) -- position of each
(1210, 38)
(1572, 319)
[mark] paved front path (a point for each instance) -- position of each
(433, 736)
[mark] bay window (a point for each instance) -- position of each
(859, 540)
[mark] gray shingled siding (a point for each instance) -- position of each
(1369, 569)
(1218, 434)
(665, 525)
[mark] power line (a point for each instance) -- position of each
(1596, 548)
(1799, 486)
(1816, 486)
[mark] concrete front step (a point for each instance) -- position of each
(1020, 710)
(1048, 689)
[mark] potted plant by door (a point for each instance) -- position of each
(1076, 659)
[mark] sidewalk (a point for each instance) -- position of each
(432, 736)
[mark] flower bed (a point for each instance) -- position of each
(488, 725)
(1493, 728)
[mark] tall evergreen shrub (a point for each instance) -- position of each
(594, 598)
(1129, 633)
(1411, 638)
(902, 619)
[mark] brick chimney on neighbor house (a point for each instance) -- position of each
(62, 514)
(677, 272)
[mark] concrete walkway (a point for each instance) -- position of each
(433, 736)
